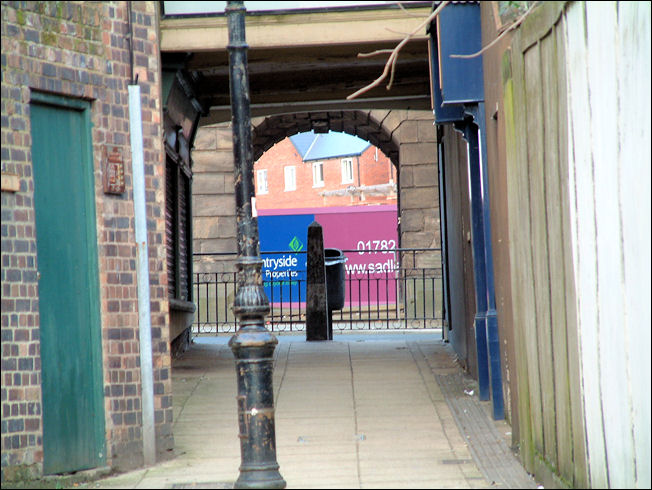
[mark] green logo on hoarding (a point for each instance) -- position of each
(295, 245)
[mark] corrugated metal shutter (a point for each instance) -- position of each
(182, 292)
(170, 224)
(178, 229)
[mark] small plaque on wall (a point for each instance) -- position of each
(114, 170)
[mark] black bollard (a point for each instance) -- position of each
(252, 345)
(316, 301)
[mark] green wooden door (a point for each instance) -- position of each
(71, 356)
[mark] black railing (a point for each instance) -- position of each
(400, 290)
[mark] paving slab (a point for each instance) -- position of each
(361, 411)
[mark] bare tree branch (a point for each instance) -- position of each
(391, 61)
(400, 5)
(374, 53)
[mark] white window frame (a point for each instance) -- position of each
(347, 170)
(261, 182)
(318, 174)
(290, 174)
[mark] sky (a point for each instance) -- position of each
(185, 7)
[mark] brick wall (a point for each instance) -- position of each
(366, 171)
(81, 50)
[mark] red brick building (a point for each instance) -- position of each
(322, 170)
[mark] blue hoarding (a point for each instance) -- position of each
(284, 274)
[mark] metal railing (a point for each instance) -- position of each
(400, 290)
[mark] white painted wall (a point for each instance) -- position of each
(608, 56)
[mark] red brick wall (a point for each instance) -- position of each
(81, 50)
(282, 154)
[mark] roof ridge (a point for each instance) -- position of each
(310, 147)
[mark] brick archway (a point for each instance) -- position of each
(367, 125)
(407, 137)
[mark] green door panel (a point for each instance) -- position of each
(71, 356)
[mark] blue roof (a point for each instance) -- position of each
(322, 146)
(302, 141)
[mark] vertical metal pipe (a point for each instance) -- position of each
(446, 326)
(493, 343)
(479, 270)
(144, 319)
(491, 348)
(252, 345)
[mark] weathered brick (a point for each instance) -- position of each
(16, 425)
(25, 364)
(74, 64)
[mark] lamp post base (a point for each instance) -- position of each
(260, 478)
(253, 347)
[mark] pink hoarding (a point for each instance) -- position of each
(368, 235)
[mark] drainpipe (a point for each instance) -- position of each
(357, 160)
(144, 318)
(444, 235)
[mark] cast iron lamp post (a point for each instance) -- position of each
(252, 345)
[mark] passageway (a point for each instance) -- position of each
(387, 410)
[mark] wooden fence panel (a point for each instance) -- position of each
(602, 28)
(577, 475)
(609, 84)
(633, 45)
(550, 402)
(530, 415)
(577, 105)
(539, 244)
(516, 259)
(550, 67)
(583, 221)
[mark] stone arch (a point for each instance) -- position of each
(407, 137)
(367, 125)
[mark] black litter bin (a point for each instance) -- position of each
(334, 260)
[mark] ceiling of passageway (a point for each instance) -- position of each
(305, 60)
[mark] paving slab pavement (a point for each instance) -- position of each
(366, 410)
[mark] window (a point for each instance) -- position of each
(347, 170)
(318, 174)
(261, 182)
(290, 179)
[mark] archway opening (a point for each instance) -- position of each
(393, 132)
(348, 186)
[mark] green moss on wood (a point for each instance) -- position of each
(506, 65)
(553, 472)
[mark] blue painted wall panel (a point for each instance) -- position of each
(460, 33)
(443, 114)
